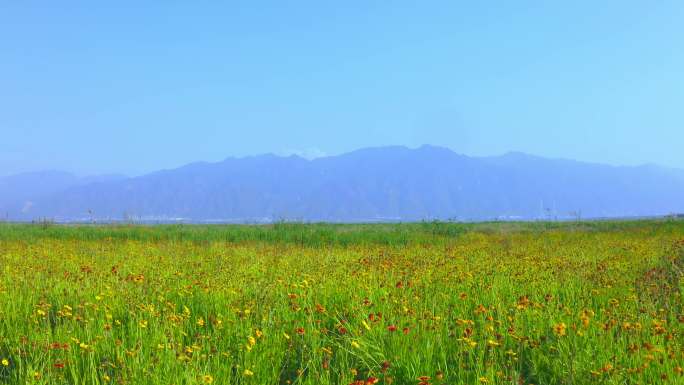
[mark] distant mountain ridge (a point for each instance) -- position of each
(374, 184)
(21, 191)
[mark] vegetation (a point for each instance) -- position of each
(422, 303)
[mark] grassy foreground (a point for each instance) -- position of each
(433, 303)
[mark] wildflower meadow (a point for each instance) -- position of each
(424, 303)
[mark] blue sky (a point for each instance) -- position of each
(93, 88)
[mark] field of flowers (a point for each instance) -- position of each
(594, 303)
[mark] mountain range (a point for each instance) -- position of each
(374, 184)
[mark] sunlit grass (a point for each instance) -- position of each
(338, 304)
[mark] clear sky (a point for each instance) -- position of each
(94, 88)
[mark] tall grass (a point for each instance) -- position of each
(437, 303)
(317, 234)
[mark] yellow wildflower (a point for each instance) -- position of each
(559, 329)
(365, 325)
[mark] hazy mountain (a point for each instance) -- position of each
(31, 185)
(387, 183)
(18, 193)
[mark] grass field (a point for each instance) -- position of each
(426, 303)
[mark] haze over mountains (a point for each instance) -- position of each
(374, 184)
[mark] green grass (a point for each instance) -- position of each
(317, 234)
(291, 303)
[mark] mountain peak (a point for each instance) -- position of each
(408, 184)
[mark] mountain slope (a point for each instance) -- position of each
(387, 183)
(20, 192)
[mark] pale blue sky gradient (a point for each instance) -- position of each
(131, 88)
